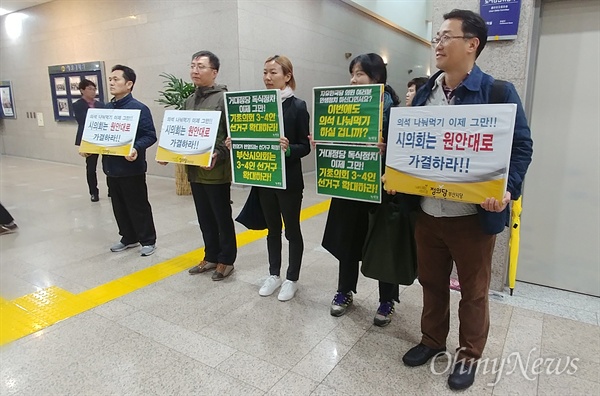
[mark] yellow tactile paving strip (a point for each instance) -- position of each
(26, 315)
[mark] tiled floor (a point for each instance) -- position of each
(187, 335)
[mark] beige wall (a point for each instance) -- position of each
(150, 36)
(154, 36)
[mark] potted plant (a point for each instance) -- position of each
(176, 91)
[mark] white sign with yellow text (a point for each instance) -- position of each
(459, 153)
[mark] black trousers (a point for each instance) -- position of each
(91, 163)
(129, 196)
(348, 278)
(213, 208)
(275, 204)
(5, 217)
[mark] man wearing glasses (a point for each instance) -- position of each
(211, 186)
(449, 231)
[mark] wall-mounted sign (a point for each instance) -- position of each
(64, 86)
(8, 103)
(502, 18)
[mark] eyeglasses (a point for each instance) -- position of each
(271, 59)
(200, 67)
(445, 38)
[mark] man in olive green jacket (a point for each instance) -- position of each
(211, 186)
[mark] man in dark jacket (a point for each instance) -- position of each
(80, 108)
(211, 186)
(126, 176)
(449, 231)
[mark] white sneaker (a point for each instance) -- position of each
(270, 285)
(288, 290)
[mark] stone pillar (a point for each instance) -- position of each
(505, 60)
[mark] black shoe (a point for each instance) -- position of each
(94, 198)
(462, 376)
(420, 354)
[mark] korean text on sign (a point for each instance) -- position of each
(348, 114)
(351, 172)
(450, 152)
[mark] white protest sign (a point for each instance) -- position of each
(109, 131)
(460, 153)
(188, 137)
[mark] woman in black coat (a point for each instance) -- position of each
(276, 203)
(348, 221)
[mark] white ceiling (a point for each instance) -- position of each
(8, 6)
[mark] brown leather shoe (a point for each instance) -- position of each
(202, 267)
(222, 272)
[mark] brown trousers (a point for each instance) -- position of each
(441, 240)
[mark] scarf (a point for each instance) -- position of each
(287, 92)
